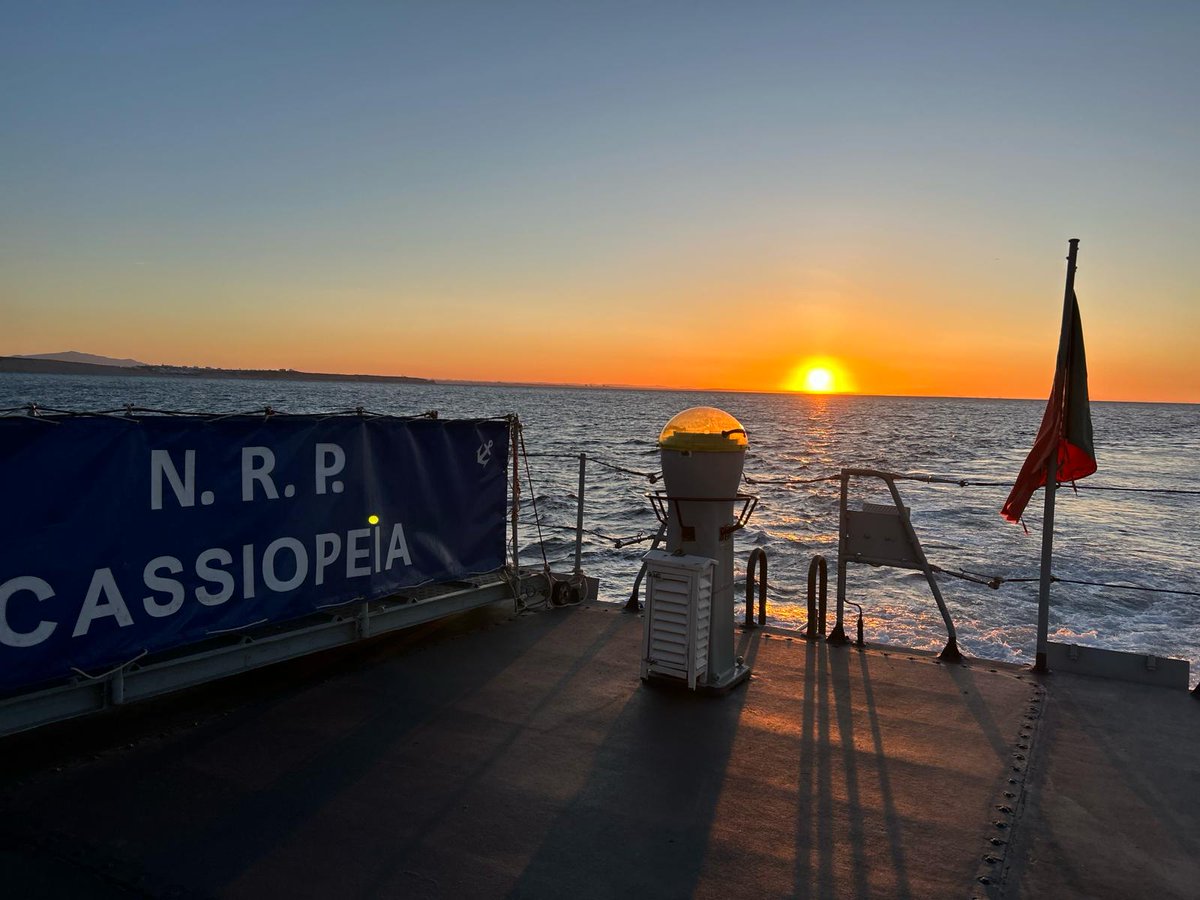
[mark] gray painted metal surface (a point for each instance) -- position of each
(1142, 668)
(496, 755)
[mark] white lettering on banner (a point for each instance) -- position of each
(397, 548)
(205, 570)
(271, 578)
(354, 553)
(161, 465)
(41, 590)
(168, 595)
(260, 473)
(329, 548)
(103, 586)
(247, 571)
(156, 582)
(331, 459)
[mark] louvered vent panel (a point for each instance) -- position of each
(678, 603)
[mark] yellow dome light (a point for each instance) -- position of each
(705, 429)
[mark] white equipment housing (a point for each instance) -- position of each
(676, 626)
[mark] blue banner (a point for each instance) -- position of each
(120, 536)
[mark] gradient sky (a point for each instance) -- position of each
(674, 194)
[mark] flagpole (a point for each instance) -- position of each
(1043, 624)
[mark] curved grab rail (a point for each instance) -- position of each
(818, 570)
(758, 558)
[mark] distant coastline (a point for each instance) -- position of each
(62, 367)
(42, 366)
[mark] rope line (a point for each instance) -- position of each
(651, 476)
(1127, 587)
(533, 497)
(750, 479)
(967, 482)
(997, 581)
(618, 542)
(1104, 487)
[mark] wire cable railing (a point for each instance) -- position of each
(989, 580)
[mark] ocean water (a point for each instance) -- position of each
(1136, 538)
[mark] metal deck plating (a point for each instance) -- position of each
(491, 756)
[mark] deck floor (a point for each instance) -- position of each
(496, 756)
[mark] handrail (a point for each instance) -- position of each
(579, 514)
(818, 568)
(758, 558)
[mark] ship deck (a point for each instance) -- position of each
(492, 755)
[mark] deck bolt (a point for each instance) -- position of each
(991, 860)
(996, 842)
(1000, 824)
(1004, 809)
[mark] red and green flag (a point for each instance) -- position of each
(1066, 432)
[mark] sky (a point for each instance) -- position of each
(705, 195)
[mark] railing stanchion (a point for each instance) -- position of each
(838, 635)
(579, 515)
(513, 434)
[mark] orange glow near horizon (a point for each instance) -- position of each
(901, 337)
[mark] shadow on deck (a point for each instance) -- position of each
(524, 758)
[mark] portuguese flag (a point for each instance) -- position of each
(1066, 432)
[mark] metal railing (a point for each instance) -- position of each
(758, 560)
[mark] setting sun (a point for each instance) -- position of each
(818, 380)
(819, 376)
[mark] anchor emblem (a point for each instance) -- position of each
(484, 454)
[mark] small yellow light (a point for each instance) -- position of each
(373, 519)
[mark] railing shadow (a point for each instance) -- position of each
(831, 823)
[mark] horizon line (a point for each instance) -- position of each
(597, 385)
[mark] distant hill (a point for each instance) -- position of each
(48, 364)
(91, 359)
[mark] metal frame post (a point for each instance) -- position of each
(579, 515)
(838, 634)
(1045, 575)
(514, 434)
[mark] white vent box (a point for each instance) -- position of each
(678, 610)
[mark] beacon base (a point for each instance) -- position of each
(726, 681)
